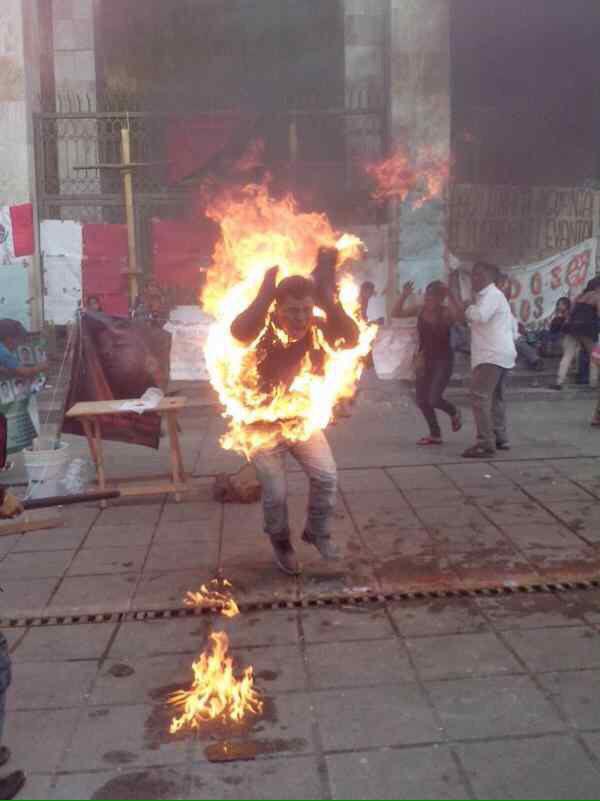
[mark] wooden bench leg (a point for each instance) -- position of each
(100, 459)
(177, 466)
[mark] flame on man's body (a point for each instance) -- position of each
(400, 176)
(215, 691)
(257, 232)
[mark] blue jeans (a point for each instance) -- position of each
(316, 459)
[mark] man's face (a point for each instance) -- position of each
(294, 315)
(480, 279)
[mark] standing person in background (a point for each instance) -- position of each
(493, 354)
(434, 360)
(581, 330)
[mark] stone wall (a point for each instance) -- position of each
(74, 52)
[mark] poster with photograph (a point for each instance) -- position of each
(18, 399)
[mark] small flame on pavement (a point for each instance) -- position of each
(215, 692)
(214, 597)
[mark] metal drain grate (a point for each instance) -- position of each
(339, 600)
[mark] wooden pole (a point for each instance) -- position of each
(132, 274)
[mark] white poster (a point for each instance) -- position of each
(188, 326)
(62, 247)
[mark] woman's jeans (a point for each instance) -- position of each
(431, 383)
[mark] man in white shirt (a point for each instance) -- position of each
(493, 354)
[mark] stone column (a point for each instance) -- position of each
(420, 119)
(365, 78)
(19, 96)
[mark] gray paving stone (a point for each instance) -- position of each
(593, 742)
(451, 616)
(425, 477)
(475, 474)
(373, 480)
(404, 542)
(8, 543)
(53, 539)
(27, 597)
(396, 773)
(358, 664)
(528, 611)
(452, 539)
(461, 516)
(139, 639)
(124, 782)
(541, 535)
(183, 555)
(454, 655)
(284, 727)
(138, 733)
(555, 489)
(38, 738)
(441, 496)
(87, 594)
(37, 787)
(577, 693)
(375, 717)
(168, 533)
(56, 643)
(582, 518)
(339, 624)
(565, 649)
(373, 512)
(510, 516)
(494, 706)
(95, 561)
(143, 681)
(58, 685)
(37, 564)
(119, 536)
(296, 777)
(261, 628)
(527, 471)
(206, 515)
(134, 515)
(277, 669)
(541, 767)
(167, 589)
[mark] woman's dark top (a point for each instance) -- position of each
(434, 338)
(583, 321)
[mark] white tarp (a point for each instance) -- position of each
(188, 326)
(394, 350)
(61, 244)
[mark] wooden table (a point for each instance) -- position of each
(89, 415)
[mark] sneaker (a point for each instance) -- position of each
(12, 784)
(328, 549)
(285, 557)
(502, 446)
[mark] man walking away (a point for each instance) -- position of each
(493, 354)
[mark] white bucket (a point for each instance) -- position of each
(45, 467)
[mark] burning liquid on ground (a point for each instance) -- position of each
(216, 692)
(215, 594)
(258, 232)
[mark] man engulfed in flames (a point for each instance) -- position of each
(288, 335)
